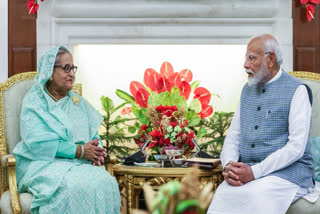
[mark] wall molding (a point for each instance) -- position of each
(72, 22)
(3, 40)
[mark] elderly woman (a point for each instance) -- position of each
(60, 149)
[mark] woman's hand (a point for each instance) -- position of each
(94, 153)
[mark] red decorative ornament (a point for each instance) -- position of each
(315, 1)
(309, 4)
(33, 6)
(310, 12)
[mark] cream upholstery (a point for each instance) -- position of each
(12, 92)
(25, 201)
(12, 100)
(302, 206)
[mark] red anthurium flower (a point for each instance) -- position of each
(175, 79)
(142, 97)
(206, 111)
(166, 70)
(185, 89)
(32, 6)
(304, 1)
(163, 84)
(203, 95)
(143, 128)
(315, 1)
(310, 12)
(126, 110)
(135, 86)
(150, 78)
(186, 74)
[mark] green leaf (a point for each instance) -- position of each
(137, 125)
(201, 132)
(107, 104)
(125, 96)
(141, 114)
(131, 129)
(121, 105)
(194, 118)
(195, 105)
(153, 99)
(164, 98)
(195, 84)
(177, 100)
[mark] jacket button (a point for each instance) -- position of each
(252, 145)
(259, 108)
(256, 127)
(263, 90)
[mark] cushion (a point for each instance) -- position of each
(315, 123)
(315, 150)
(25, 201)
(12, 101)
(302, 206)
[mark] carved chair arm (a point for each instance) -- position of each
(111, 160)
(9, 163)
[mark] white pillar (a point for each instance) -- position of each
(3, 40)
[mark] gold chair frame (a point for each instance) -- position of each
(8, 171)
(306, 75)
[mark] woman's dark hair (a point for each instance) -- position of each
(61, 51)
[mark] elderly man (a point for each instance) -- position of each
(266, 155)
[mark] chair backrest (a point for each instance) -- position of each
(12, 92)
(313, 81)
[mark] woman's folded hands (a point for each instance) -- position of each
(94, 153)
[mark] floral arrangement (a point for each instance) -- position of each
(309, 4)
(33, 6)
(169, 129)
(161, 106)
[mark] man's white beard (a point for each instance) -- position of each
(259, 76)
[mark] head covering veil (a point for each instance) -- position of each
(43, 124)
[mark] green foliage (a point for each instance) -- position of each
(125, 96)
(141, 114)
(168, 99)
(115, 127)
(212, 132)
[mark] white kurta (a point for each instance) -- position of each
(270, 194)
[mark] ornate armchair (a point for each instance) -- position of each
(313, 81)
(12, 92)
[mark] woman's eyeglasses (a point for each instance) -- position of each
(67, 68)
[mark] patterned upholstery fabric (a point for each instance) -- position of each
(12, 100)
(25, 201)
(315, 123)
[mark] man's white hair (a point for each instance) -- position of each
(271, 44)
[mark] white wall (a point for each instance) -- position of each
(105, 68)
(3, 40)
(158, 22)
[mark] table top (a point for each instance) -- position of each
(120, 169)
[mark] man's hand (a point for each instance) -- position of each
(230, 177)
(240, 171)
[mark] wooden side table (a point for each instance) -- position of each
(133, 178)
